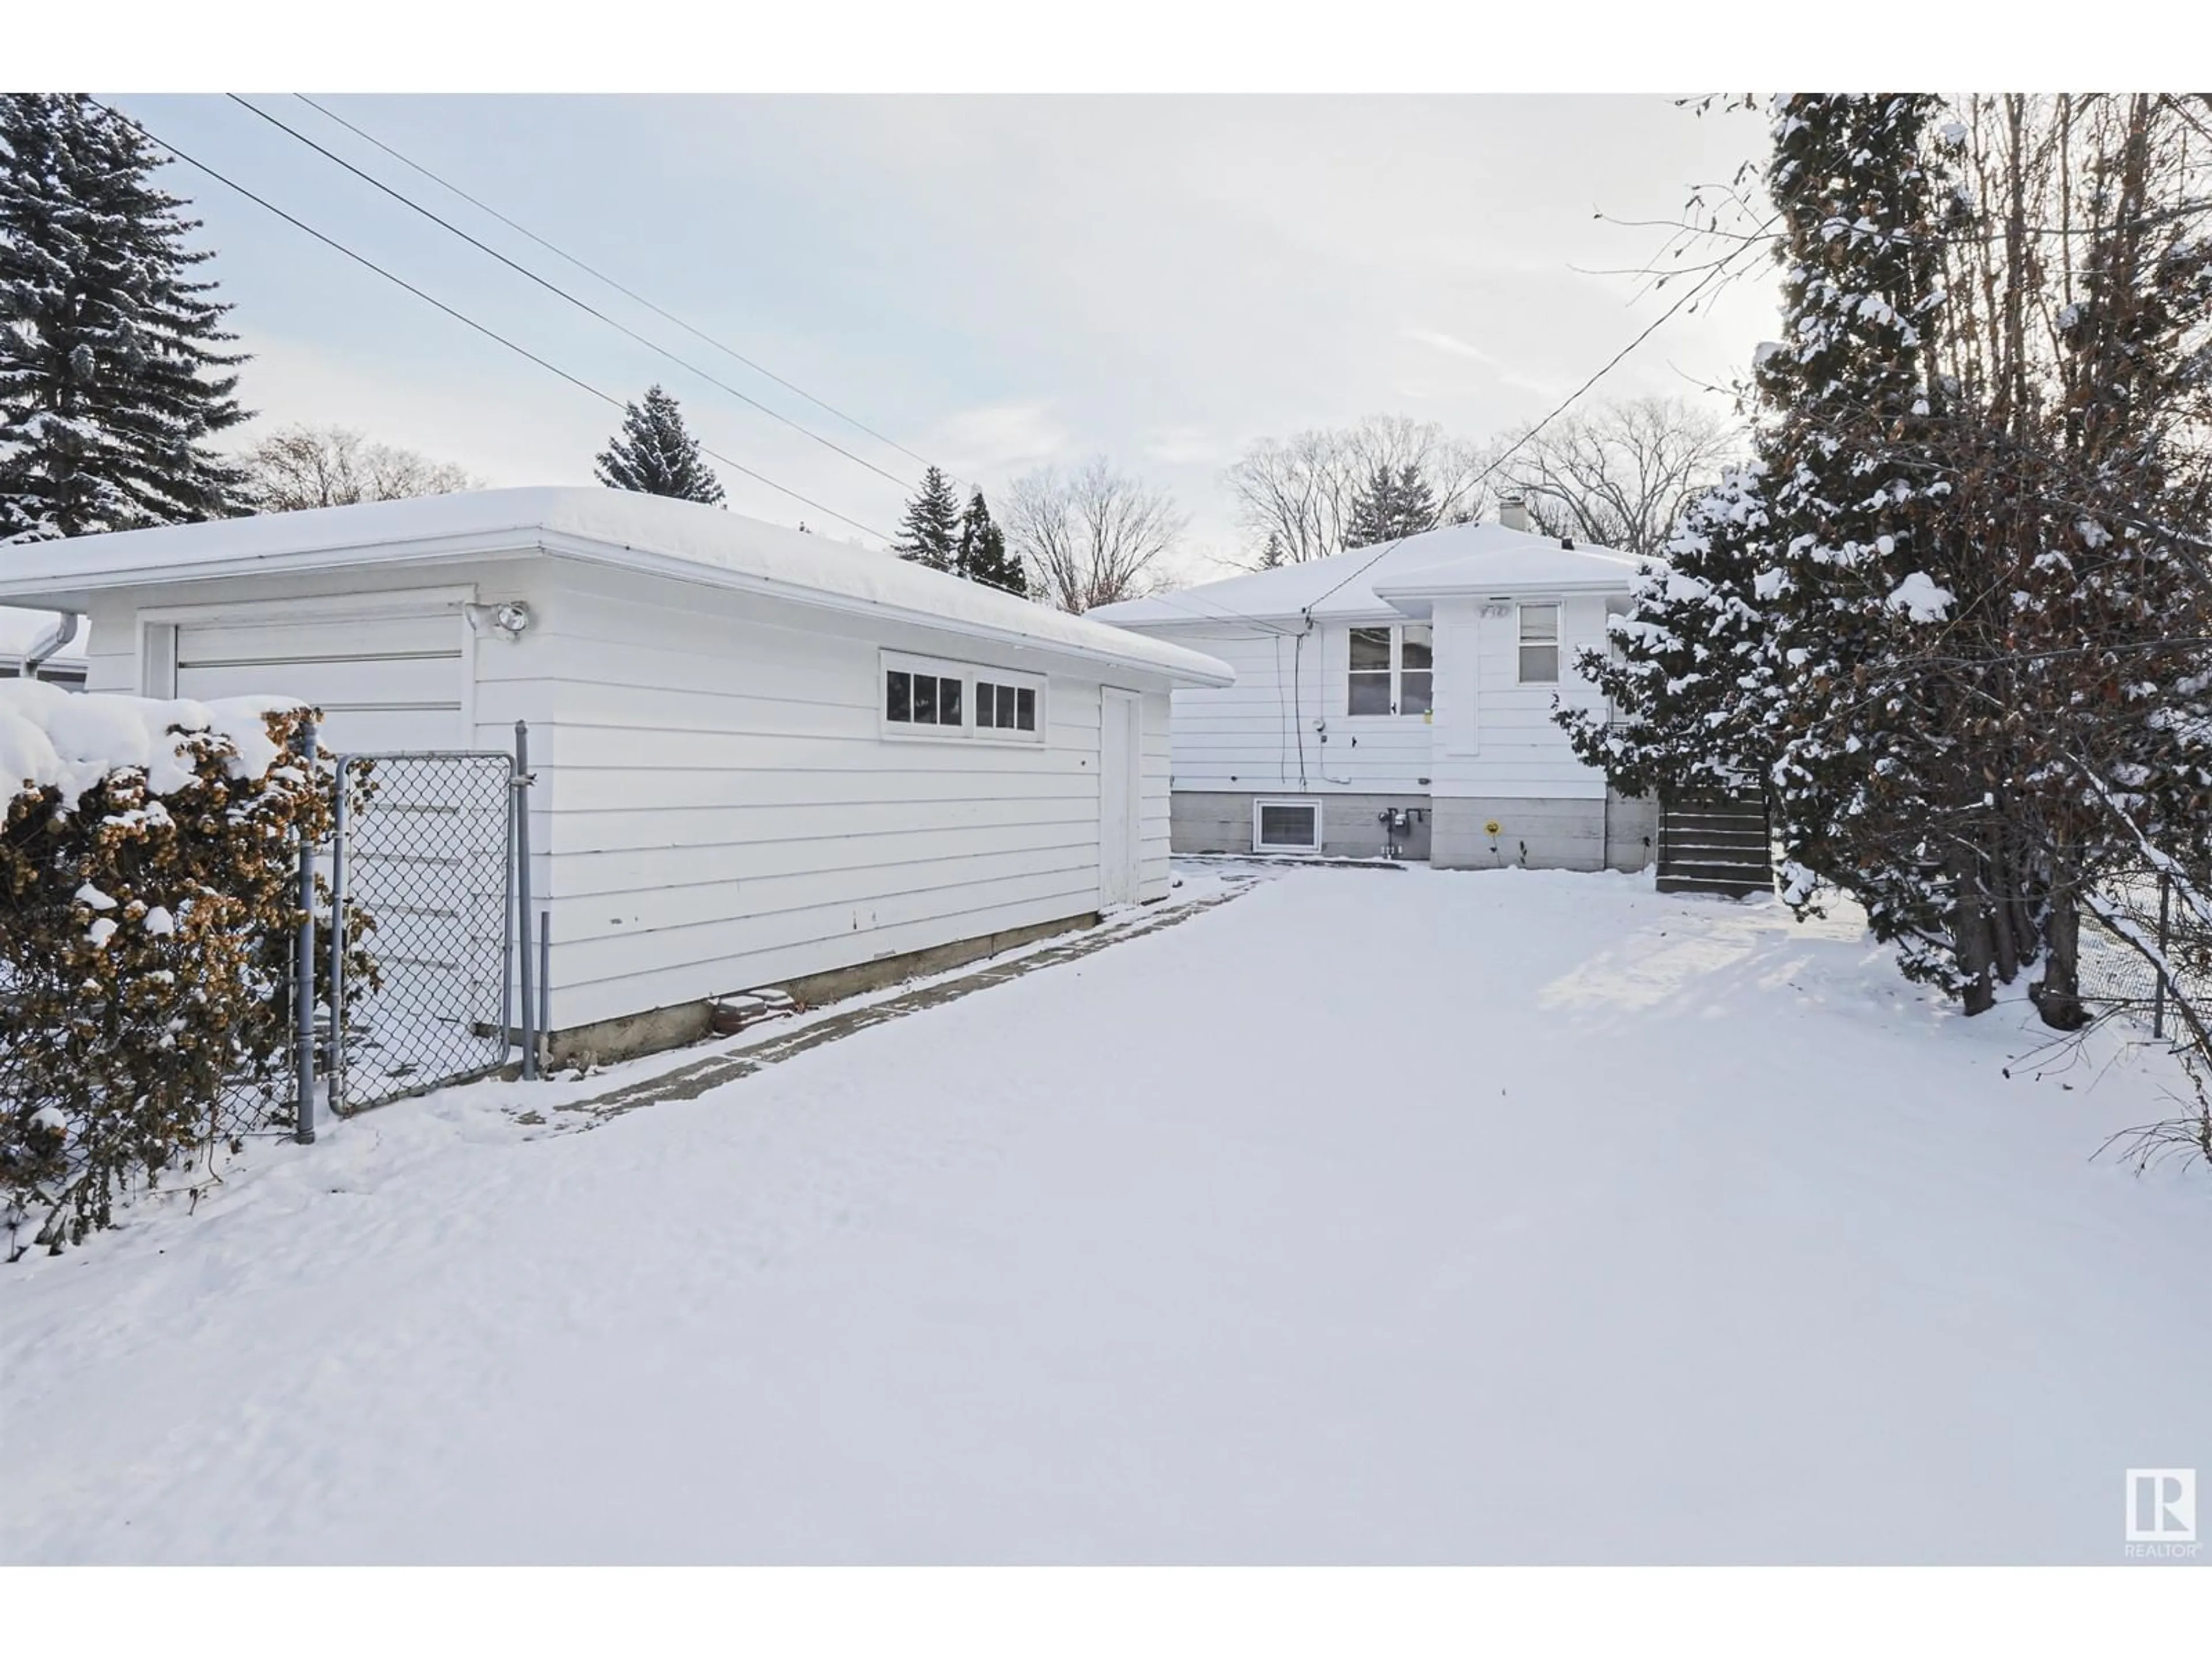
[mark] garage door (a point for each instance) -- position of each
(383, 681)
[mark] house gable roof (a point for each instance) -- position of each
(684, 541)
(1377, 583)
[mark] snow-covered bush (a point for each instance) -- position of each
(148, 915)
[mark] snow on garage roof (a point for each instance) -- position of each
(684, 541)
(1366, 581)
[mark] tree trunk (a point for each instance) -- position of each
(1970, 932)
(2057, 994)
(2003, 900)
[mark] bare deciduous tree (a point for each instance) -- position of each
(1620, 476)
(1296, 496)
(1091, 536)
(309, 466)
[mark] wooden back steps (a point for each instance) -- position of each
(1715, 843)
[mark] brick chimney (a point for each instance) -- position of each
(1513, 514)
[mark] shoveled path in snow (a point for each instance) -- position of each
(1492, 1217)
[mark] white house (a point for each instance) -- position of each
(759, 755)
(1399, 698)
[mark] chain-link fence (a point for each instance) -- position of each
(422, 862)
(2119, 976)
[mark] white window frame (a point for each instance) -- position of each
(969, 676)
(1034, 684)
(1522, 643)
(1397, 631)
(1311, 804)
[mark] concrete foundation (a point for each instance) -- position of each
(1615, 833)
(1220, 821)
(609, 1039)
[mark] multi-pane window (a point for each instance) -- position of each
(1004, 707)
(1417, 666)
(1540, 644)
(1392, 670)
(926, 698)
(912, 699)
(1371, 672)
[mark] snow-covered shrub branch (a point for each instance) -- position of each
(148, 906)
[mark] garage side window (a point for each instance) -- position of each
(912, 699)
(1000, 708)
(923, 698)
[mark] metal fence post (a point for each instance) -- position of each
(2165, 937)
(545, 986)
(303, 969)
(335, 1086)
(522, 893)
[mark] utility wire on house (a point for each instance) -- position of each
(593, 271)
(461, 317)
(582, 305)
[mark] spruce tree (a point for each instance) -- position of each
(982, 556)
(1865, 784)
(1770, 650)
(1414, 503)
(655, 454)
(113, 372)
(929, 534)
(1684, 669)
(1374, 510)
(1390, 505)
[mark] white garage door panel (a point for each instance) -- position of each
(422, 633)
(382, 682)
(390, 683)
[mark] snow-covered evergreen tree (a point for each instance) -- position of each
(655, 454)
(982, 555)
(1867, 772)
(113, 375)
(929, 533)
(1391, 505)
(1685, 672)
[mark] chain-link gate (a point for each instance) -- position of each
(424, 850)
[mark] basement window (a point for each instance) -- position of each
(1539, 645)
(1286, 826)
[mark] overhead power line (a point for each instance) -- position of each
(1560, 408)
(559, 253)
(555, 288)
(463, 318)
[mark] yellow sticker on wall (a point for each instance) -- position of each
(1490, 827)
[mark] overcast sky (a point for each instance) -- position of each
(995, 283)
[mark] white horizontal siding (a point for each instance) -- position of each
(726, 810)
(1259, 734)
(1517, 750)
(716, 806)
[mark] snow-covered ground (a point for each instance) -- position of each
(1369, 1217)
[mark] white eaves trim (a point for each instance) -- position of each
(682, 541)
(1374, 585)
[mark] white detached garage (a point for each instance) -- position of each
(760, 755)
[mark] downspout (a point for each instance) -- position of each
(65, 626)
